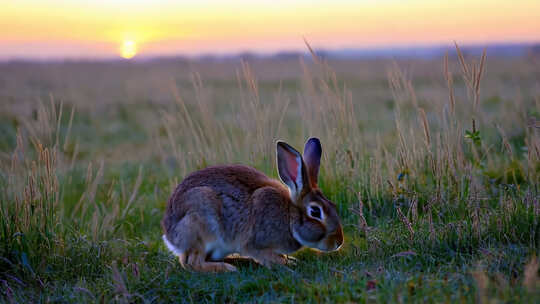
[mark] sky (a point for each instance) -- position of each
(125, 28)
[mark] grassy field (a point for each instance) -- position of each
(433, 164)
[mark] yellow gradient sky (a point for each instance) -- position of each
(99, 28)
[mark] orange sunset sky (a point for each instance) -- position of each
(114, 28)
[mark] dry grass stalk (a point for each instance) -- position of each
(472, 74)
(413, 210)
(359, 211)
(89, 195)
(450, 83)
(401, 86)
(311, 51)
(464, 65)
(506, 144)
(406, 222)
(425, 127)
(133, 195)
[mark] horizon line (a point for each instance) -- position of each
(368, 51)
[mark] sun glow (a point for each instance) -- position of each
(129, 49)
(131, 28)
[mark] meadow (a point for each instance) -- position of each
(433, 164)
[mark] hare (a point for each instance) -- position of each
(230, 209)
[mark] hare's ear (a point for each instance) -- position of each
(291, 170)
(312, 157)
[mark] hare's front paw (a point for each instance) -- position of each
(268, 258)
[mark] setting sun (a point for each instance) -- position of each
(129, 49)
(140, 28)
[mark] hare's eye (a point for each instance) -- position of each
(315, 212)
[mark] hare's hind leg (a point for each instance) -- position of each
(180, 253)
(195, 257)
(187, 241)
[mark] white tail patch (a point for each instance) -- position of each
(171, 247)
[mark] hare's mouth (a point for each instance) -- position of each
(329, 243)
(324, 246)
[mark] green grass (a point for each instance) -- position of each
(80, 215)
(133, 265)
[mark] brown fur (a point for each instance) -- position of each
(229, 209)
